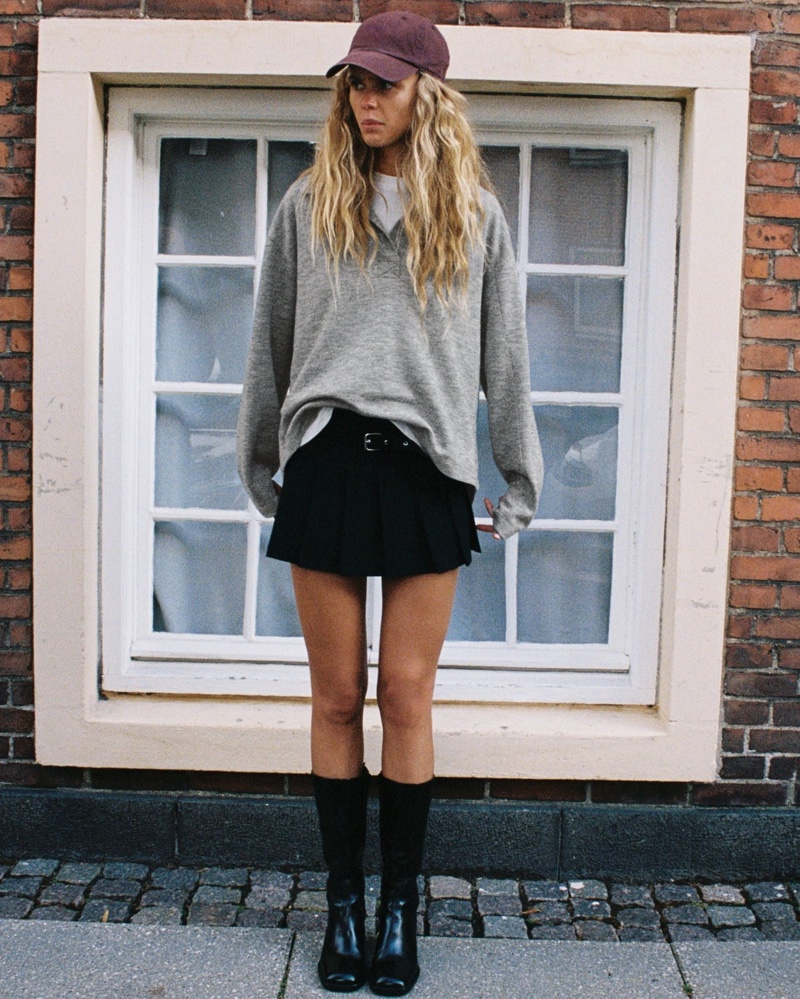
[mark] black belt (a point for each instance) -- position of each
(378, 441)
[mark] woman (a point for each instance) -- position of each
(389, 294)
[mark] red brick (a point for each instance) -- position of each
(236, 783)
(18, 62)
(201, 9)
(786, 713)
(15, 369)
(762, 236)
(755, 539)
(18, 518)
(746, 712)
(756, 265)
(20, 278)
(789, 145)
(761, 357)
(14, 488)
(753, 596)
(15, 549)
(778, 627)
(776, 83)
(765, 740)
(13, 720)
(787, 269)
(791, 24)
(16, 247)
(718, 19)
(774, 297)
(761, 143)
(6, 35)
(16, 185)
(768, 478)
(772, 53)
(749, 656)
(620, 18)
(5, 155)
(794, 421)
(761, 684)
(18, 7)
(780, 508)
(771, 173)
(27, 33)
(774, 205)
(745, 508)
(24, 155)
(732, 793)
(18, 459)
(791, 539)
(740, 626)
(782, 768)
(16, 606)
(18, 579)
(89, 8)
(17, 126)
(753, 387)
(790, 598)
(23, 747)
(741, 767)
(771, 568)
(765, 112)
(784, 388)
(20, 400)
(756, 418)
(15, 309)
(303, 10)
(21, 340)
(15, 663)
(517, 15)
(639, 792)
(440, 11)
(732, 740)
(538, 790)
(789, 658)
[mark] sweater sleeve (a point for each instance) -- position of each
(269, 361)
(505, 379)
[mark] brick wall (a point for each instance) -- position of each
(760, 737)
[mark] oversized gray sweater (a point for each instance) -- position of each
(363, 347)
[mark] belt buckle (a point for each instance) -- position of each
(374, 442)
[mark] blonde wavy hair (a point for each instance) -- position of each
(442, 170)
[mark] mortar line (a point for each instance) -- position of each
(686, 984)
(288, 968)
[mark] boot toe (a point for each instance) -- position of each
(341, 980)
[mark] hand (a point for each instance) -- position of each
(488, 527)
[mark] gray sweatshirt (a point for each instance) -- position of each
(362, 346)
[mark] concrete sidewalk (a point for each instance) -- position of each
(54, 960)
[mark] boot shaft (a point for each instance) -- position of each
(403, 822)
(342, 812)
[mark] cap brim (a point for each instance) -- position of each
(384, 66)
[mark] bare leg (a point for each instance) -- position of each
(416, 615)
(332, 615)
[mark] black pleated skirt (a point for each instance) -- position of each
(357, 511)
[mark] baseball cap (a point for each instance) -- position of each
(393, 44)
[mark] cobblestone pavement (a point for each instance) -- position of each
(47, 888)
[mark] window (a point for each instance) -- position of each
(590, 190)
(96, 705)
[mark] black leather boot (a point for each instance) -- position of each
(403, 821)
(342, 810)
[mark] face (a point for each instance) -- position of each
(383, 111)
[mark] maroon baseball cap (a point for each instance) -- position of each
(394, 44)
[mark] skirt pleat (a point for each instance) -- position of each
(355, 512)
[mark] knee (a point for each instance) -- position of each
(341, 708)
(405, 703)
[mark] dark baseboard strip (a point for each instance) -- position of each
(498, 839)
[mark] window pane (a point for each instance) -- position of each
(490, 482)
(287, 160)
(503, 165)
(196, 452)
(575, 333)
(276, 612)
(207, 196)
(564, 586)
(578, 199)
(479, 611)
(203, 323)
(579, 446)
(198, 577)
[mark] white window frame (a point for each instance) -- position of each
(516, 734)
(624, 669)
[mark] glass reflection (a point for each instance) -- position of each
(579, 446)
(203, 323)
(578, 206)
(479, 610)
(196, 452)
(286, 161)
(198, 577)
(503, 164)
(564, 587)
(207, 196)
(276, 611)
(574, 333)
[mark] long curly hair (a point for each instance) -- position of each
(443, 173)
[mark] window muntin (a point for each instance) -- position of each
(510, 608)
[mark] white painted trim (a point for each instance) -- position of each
(677, 739)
